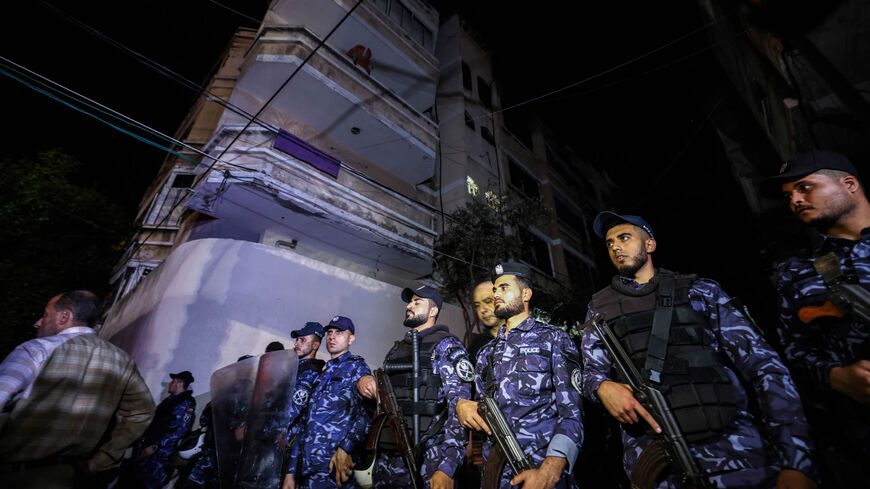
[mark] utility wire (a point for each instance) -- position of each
(292, 75)
(72, 94)
(609, 70)
(256, 21)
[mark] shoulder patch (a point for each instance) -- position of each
(530, 350)
(455, 354)
(300, 397)
(577, 380)
(464, 369)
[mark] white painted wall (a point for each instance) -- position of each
(214, 300)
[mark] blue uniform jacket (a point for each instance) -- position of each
(741, 457)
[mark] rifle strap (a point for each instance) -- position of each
(657, 348)
(490, 386)
(828, 266)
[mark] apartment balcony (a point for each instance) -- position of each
(335, 104)
(348, 216)
(400, 35)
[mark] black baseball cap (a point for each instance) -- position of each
(341, 323)
(606, 220)
(425, 292)
(310, 327)
(512, 268)
(184, 376)
(802, 165)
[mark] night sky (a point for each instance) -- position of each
(647, 124)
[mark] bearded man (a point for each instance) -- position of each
(825, 339)
(446, 375)
(688, 339)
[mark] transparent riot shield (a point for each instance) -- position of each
(232, 391)
(263, 450)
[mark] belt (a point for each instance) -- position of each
(35, 464)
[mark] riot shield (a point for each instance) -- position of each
(232, 391)
(267, 422)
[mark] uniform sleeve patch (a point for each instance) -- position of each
(456, 354)
(464, 370)
(577, 380)
(300, 397)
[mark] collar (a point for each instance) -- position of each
(344, 356)
(827, 242)
(525, 325)
(426, 332)
(77, 330)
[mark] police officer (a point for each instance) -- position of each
(685, 334)
(172, 419)
(483, 303)
(307, 343)
(827, 347)
(529, 369)
(446, 375)
(336, 422)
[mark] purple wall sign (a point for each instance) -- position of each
(298, 148)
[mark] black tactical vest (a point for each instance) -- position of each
(694, 379)
(314, 364)
(429, 383)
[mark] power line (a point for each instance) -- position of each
(292, 75)
(257, 21)
(71, 94)
(609, 70)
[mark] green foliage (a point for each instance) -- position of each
(479, 235)
(58, 234)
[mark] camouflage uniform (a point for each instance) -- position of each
(204, 472)
(446, 449)
(740, 457)
(307, 372)
(815, 340)
(172, 419)
(534, 365)
(336, 418)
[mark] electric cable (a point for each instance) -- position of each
(256, 21)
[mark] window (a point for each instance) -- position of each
(484, 93)
(579, 272)
(486, 134)
(538, 253)
(403, 16)
(567, 215)
(516, 124)
(469, 121)
(522, 181)
(466, 76)
(169, 200)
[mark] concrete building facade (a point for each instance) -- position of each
(329, 201)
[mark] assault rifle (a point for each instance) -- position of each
(507, 448)
(396, 419)
(849, 298)
(670, 448)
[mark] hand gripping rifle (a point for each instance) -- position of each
(670, 448)
(507, 448)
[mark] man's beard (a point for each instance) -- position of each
(509, 309)
(414, 321)
(628, 270)
(839, 207)
(304, 352)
